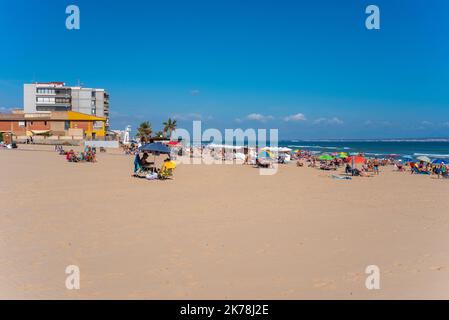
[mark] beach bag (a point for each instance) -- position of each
(151, 176)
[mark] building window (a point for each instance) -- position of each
(45, 91)
(66, 125)
(45, 100)
(45, 123)
(98, 124)
(62, 100)
(21, 124)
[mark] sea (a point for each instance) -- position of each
(433, 148)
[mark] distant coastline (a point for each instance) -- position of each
(373, 140)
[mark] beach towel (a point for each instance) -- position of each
(341, 177)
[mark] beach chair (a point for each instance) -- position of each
(165, 173)
(415, 170)
(139, 169)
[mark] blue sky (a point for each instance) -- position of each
(309, 68)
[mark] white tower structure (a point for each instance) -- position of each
(126, 136)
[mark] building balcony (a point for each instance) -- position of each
(63, 95)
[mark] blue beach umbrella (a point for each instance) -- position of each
(440, 161)
(156, 147)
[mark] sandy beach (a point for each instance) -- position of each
(216, 231)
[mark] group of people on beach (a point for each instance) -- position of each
(143, 168)
(88, 155)
(439, 170)
(130, 149)
(368, 167)
(12, 145)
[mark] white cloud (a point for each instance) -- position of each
(6, 110)
(333, 120)
(426, 123)
(295, 117)
(259, 117)
(194, 92)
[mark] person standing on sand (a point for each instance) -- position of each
(137, 164)
(376, 165)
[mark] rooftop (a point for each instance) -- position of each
(54, 115)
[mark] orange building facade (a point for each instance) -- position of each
(57, 123)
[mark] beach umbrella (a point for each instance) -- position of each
(424, 159)
(325, 157)
(297, 151)
(156, 147)
(440, 161)
(173, 143)
(342, 155)
(265, 154)
(356, 159)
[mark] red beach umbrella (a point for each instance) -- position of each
(356, 159)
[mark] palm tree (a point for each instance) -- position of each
(144, 131)
(159, 134)
(169, 126)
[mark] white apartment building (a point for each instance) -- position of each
(56, 96)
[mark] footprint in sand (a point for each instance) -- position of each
(438, 268)
(323, 284)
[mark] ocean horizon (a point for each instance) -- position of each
(431, 147)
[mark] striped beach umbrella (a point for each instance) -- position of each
(265, 154)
